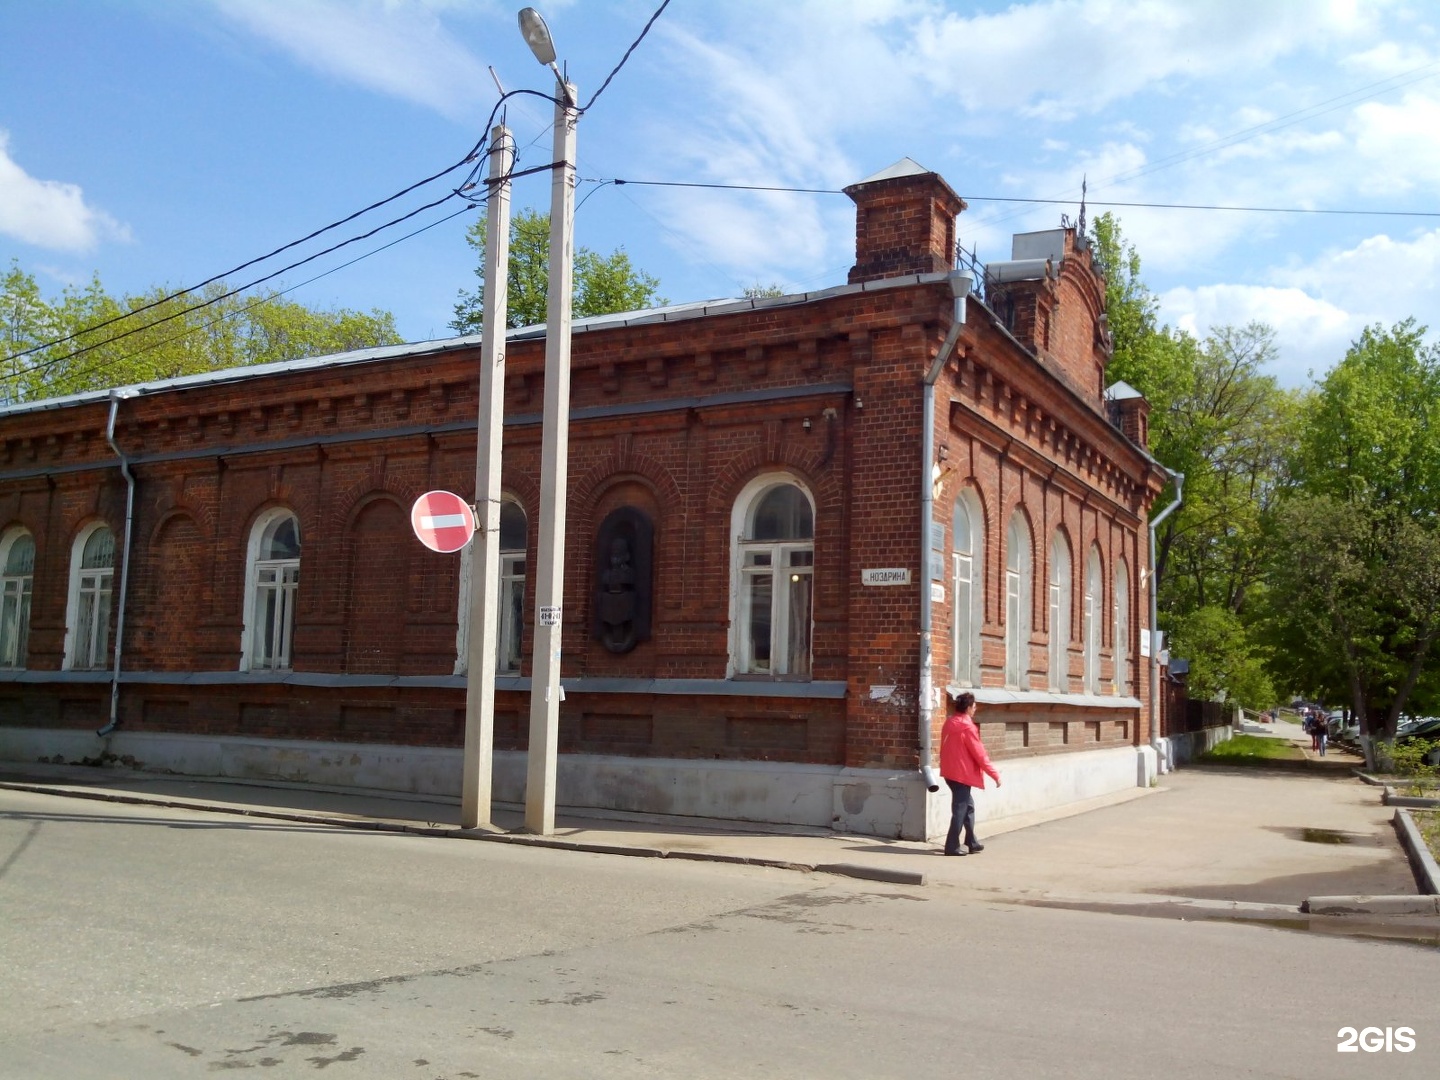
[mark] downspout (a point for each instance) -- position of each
(960, 285)
(1156, 743)
(115, 398)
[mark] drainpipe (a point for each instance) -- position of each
(960, 285)
(1161, 758)
(115, 398)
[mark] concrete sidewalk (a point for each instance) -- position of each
(1248, 840)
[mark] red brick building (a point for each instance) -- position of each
(764, 535)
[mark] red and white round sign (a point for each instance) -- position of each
(443, 521)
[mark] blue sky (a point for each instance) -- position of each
(164, 141)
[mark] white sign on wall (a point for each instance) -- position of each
(897, 575)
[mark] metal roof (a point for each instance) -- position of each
(643, 317)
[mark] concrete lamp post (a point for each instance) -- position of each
(545, 690)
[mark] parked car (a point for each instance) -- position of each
(1427, 728)
(1409, 723)
(1340, 728)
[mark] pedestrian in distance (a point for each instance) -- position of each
(1322, 731)
(964, 764)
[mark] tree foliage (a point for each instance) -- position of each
(603, 283)
(162, 341)
(1356, 573)
(1219, 419)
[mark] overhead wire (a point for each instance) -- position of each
(53, 361)
(1018, 199)
(272, 297)
(473, 158)
(633, 46)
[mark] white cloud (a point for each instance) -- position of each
(1399, 144)
(1320, 307)
(395, 47)
(1066, 57)
(49, 213)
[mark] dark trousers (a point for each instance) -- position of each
(962, 816)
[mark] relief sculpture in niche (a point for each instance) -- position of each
(623, 550)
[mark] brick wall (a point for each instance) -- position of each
(673, 418)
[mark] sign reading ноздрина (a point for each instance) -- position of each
(897, 575)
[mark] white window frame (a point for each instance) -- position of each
(89, 589)
(511, 626)
(1121, 684)
(745, 554)
(1061, 589)
(1019, 594)
(16, 590)
(1094, 622)
(281, 576)
(967, 588)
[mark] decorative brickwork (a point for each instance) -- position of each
(671, 417)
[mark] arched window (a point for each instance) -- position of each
(1060, 588)
(773, 579)
(510, 606)
(1122, 627)
(17, 573)
(87, 622)
(272, 581)
(1094, 585)
(967, 576)
(1019, 578)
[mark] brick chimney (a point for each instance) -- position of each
(904, 223)
(1130, 412)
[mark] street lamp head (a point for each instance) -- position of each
(537, 35)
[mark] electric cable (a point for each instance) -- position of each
(633, 45)
(1018, 199)
(246, 265)
(239, 289)
(260, 302)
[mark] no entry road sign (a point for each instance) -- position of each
(443, 521)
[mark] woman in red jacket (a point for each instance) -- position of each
(964, 764)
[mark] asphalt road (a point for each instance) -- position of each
(148, 943)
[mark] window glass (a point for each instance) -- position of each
(783, 514)
(99, 550)
(775, 562)
(21, 558)
(281, 540)
(16, 585)
(275, 583)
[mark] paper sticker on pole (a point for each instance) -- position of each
(443, 521)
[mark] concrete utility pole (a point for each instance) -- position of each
(555, 449)
(480, 641)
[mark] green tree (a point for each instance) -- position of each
(1227, 660)
(1217, 417)
(173, 337)
(762, 292)
(603, 283)
(1374, 431)
(1356, 592)
(1356, 578)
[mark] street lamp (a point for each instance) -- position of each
(555, 448)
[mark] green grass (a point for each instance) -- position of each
(1428, 822)
(1252, 750)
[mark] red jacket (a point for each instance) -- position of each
(962, 754)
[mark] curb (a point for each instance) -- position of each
(1427, 873)
(852, 870)
(1372, 905)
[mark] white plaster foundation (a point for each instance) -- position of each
(874, 802)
